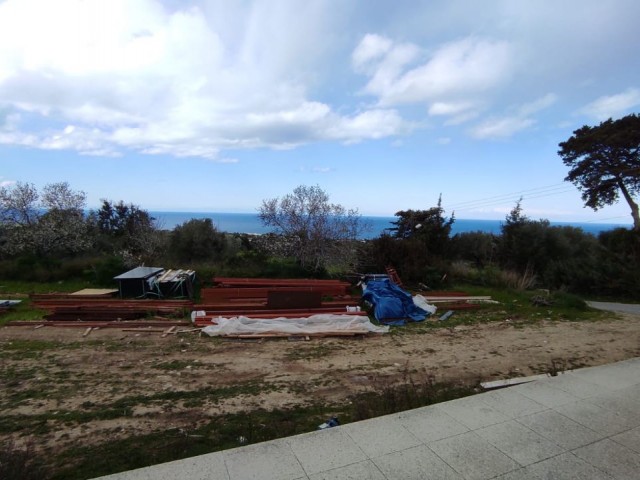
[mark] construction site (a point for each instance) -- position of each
(103, 383)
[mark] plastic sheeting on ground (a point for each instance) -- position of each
(315, 324)
(392, 305)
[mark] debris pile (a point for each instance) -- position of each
(267, 307)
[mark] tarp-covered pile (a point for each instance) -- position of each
(321, 324)
(392, 305)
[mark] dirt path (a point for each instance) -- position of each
(53, 376)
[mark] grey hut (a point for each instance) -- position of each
(137, 282)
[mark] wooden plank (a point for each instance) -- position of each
(143, 330)
(168, 331)
(456, 298)
(508, 382)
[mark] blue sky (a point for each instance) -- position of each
(215, 105)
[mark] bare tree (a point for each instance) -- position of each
(320, 230)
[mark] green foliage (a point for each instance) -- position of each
(196, 240)
(620, 263)
(417, 247)
(429, 228)
(477, 247)
(128, 231)
(604, 161)
(559, 257)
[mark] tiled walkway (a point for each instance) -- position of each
(580, 425)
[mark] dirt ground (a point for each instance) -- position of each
(50, 374)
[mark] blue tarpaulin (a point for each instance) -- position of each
(392, 305)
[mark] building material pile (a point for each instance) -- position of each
(268, 307)
(271, 298)
(454, 300)
(314, 326)
(70, 309)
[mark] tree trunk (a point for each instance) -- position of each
(635, 213)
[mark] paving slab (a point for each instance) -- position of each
(472, 413)
(473, 457)
(594, 417)
(576, 385)
(430, 424)
(519, 442)
(326, 450)
(210, 466)
(357, 471)
(582, 425)
(560, 429)
(545, 394)
(264, 461)
(630, 439)
(381, 435)
(510, 403)
(417, 463)
(610, 457)
(565, 466)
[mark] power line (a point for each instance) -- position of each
(501, 199)
(507, 196)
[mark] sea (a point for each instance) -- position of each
(250, 223)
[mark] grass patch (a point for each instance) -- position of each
(26, 288)
(123, 407)
(234, 430)
(515, 306)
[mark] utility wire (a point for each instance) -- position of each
(507, 196)
(513, 197)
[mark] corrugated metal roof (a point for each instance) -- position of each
(139, 273)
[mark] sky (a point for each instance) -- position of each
(215, 105)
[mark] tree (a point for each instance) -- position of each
(430, 227)
(320, 230)
(128, 231)
(43, 224)
(196, 239)
(604, 162)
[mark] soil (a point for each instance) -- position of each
(50, 372)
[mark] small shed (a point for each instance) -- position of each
(138, 282)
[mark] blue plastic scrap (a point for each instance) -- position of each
(391, 304)
(332, 422)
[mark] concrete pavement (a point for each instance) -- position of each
(616, 307)
(583, 424)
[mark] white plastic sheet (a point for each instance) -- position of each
(421, 302)
(315, 324)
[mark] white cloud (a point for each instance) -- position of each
(445, 108)
(501, 127)
(508, 125)
(612, 106)
(461, 68)
(370, 48)
(372, 124)
(133, 75)
(538, 105)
